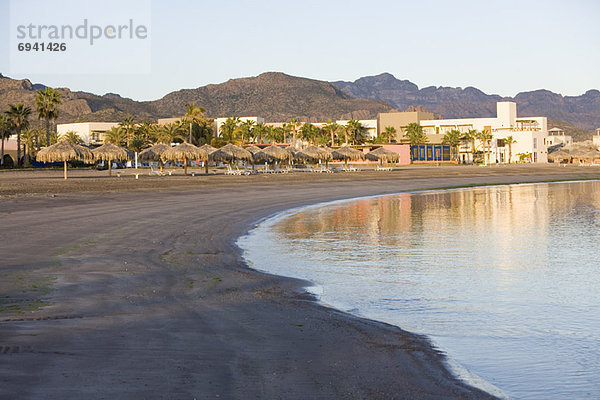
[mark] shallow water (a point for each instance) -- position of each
(505, 280)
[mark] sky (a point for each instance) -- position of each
(501, 47)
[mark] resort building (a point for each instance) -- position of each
(556, 136)
(172, 120)
(370, 126)
(596, 139)
(92, 133)
(400, 120)
(221, 121)
(528, 133)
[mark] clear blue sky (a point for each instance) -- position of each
(502, 47)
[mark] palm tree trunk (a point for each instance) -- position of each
(191, 131)
(109, 167)
(2, 158)
(47, 133)
(206, 166)
(65, 168)
(19, 147)
(185, 165)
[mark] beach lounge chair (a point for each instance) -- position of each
(325, 169)
(248, 171)
(154, 171)
(231, 171)
(279, 170)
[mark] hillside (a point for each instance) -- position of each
(279, 97)
(581, 111)
(274, 96)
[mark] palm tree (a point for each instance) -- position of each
(74, 138)
(115, 135)
(31, 139)
(415, 135)
(388, 134)
(46, 102)
(260, 131)
(19, 115)
(128, 127)
(293, 125)
(332, 129)
(452, 138)
(356, 130)
(244, 129)
(228, 129)
(471, 136)
(510, 141)
(194, 114)
(309, 133)
(5, 132)
(168, 133)
(485, 137)
(275, 135)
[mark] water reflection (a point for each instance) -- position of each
(505, 279)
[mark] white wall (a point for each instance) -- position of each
(84, 129)
(221, 120)
(524, 130)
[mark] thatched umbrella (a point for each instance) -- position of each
(318, 153)
(253, 149)
(64, 151)
(273, 154)
(183, 151)
(231, 152)
(109, 152)
(580, 151)
(382, 155)
(153, 153)
(346, 153)
(205, 152)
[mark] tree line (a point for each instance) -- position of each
(195, 128)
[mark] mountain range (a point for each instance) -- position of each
(279, 97)
(581, 111)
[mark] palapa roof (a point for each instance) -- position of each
(154, 152)
(206, 150)
(64, 151)
(109, 152)
(231, 152)
(347, 153)
(580, 150)
(382, 154)
(273, 153)
(181, 151)
(253, 149)
(313, 153)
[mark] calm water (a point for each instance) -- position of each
(505, 280)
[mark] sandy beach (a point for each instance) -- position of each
(124, 288)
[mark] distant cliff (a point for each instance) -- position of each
(581, 111)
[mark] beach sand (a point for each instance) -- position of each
(120, 288)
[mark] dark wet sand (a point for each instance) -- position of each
(134, 289)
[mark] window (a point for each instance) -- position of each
(535, 143)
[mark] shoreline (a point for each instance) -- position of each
(154, 277)
(459, 371)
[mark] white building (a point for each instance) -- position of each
(370, 126)
(596, 139)
(221, 121)
(92, 133)
(557, 136)
(529, 133)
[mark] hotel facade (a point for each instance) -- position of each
(528, 133)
